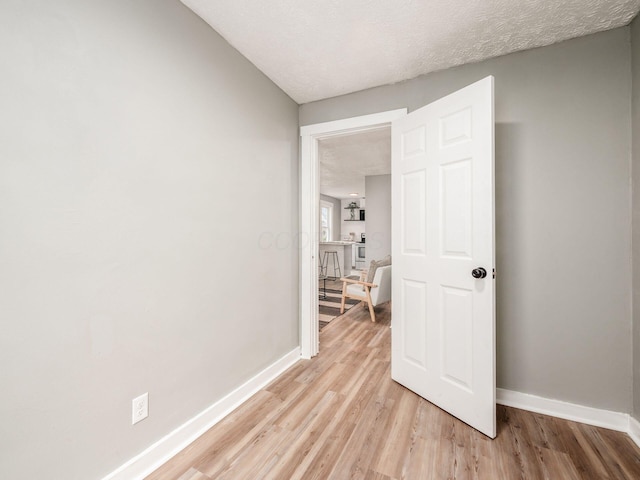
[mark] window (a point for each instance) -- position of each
(326, 214)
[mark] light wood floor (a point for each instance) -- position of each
(340, 416)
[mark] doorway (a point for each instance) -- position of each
(355, 214)
(309, 218)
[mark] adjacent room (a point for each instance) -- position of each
(172, 174)
(353, 168)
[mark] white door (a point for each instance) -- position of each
(443, 318)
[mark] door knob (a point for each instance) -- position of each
(478, 273)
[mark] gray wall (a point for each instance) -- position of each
(562, 207)
(635, 105)
(139, 156)
(335, 220)
(378, 216)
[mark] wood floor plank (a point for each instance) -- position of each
(322, 459)
(373, 475)
(555, 464)
(624, 451)
(542, 430)
(286, 383)
(398, 443)
(226, 447)
(254, 458)
(226, 435)
(365, 441)
(341, 416)
(308, 434)
(584, 458)
(464, 441)
(193, 474)
(420, 461)
(491, 459)
(522, 446)
(607, 454)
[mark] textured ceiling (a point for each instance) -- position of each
(319, 49)
(346, 160)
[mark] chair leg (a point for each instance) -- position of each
(372, 313)
(344, 297)
(370, 303)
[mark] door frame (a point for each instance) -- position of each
(309, 213)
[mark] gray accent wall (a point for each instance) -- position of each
(148, 194)
(563, 215)
(337, 216)
(378, 217)
(635, 124)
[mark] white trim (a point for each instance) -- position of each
(309, 201)
(309, 196)
(352, 124)
(569, 411)
(634, 430)
(167, 447)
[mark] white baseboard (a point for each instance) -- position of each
(634, 430)
(569, 411)
(160, 452)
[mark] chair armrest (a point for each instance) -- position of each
(364, 284)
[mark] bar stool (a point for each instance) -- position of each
(322, 278)
(331, 255)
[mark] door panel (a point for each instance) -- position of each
(456, 209)
(414, 295)
(457, 336)
(443, 319)
(414, 220)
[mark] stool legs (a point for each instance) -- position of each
(331, 256)
(336, 263)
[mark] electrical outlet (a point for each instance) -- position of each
(140, 408)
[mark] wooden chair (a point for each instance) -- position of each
(372, 294)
